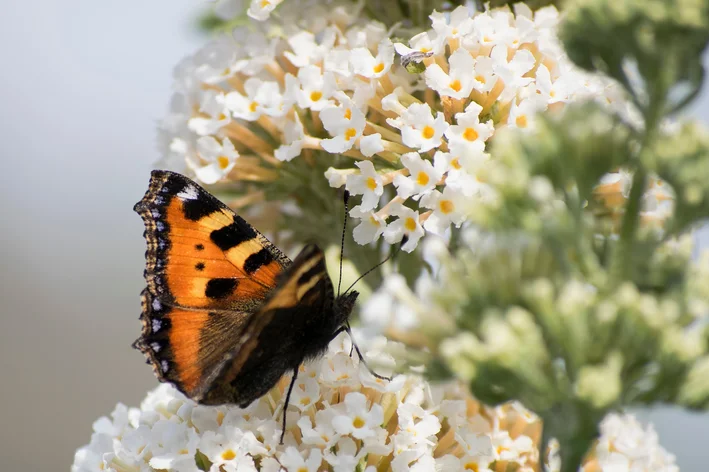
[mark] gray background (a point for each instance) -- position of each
(81, 85)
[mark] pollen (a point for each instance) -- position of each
(223, 162)
(521, 121)
(350, 133)
(422, 178)
(470, 134)
(410, 224)
(315, 96)
(446, 206)
(371, 183)
(358, 422)
(378, 68)
(455, 85)
(252, 107)
(427, 132)
(455, 163)
(348, 114)
(228, 455)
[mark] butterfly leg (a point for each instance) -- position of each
(285, 407)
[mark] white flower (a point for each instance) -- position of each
(406, 225)
(344, 456)
(262, 97)
(423, 177)
(370, 228)
(513, 72)
(261, 9)
(306, 50)
(365, 64)
(315, 88)
(338, 177)
(214, 114)
(346, 122)
(448, 207)
(358, 419)
(522, 114)
(371, 144)
(293, 461)
(469, 135)
(458, 82)
(220, 159)
(419, 128)
(294, 136)
(366, 183)
(458, 24)
(421, 43)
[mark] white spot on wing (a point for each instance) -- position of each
(188, 193)
(157, 306)
(155, 347)
(164, 366)
(157, 324)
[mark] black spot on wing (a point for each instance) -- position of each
(198, 208)
(199, 247)
(220, 288)
(256, 260)
(231, 236)
(199, 266)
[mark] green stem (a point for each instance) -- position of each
(624, 251)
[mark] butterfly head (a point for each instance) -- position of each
(344, 305)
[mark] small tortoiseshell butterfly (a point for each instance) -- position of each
(225, 312)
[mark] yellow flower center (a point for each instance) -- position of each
(455, 163)
(378, 68)
(223, 162)
(265, 3)
(470, 134)
(455, 85)
(480, 79)
(358, 422)
(446, 206)
(472, 466)
(252, 107)
(427, 132)
(350, 133)
(228, 455)
(371, 183)
(183, 451)
(374, 221)
(422, 178)
(348, 114)
(410, 224)
(552, 93)
(521, 121)
(303, 469)
(221, 117)
(220, 417)
(315, 96)
(305, 401)
(425, 50)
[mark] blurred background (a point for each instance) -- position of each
(82, 84)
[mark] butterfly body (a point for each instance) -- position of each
(225, 313)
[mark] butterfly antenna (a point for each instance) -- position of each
(361, 357)
(403, 241)
(342, 242)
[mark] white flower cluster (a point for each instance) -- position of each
(340, 418)
(334, 84)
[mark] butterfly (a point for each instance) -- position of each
(225, 313)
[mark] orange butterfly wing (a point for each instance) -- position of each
(207, 271)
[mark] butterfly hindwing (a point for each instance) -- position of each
(295, 323)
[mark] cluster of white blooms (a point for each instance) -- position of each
(412, 119)
(340, 418)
